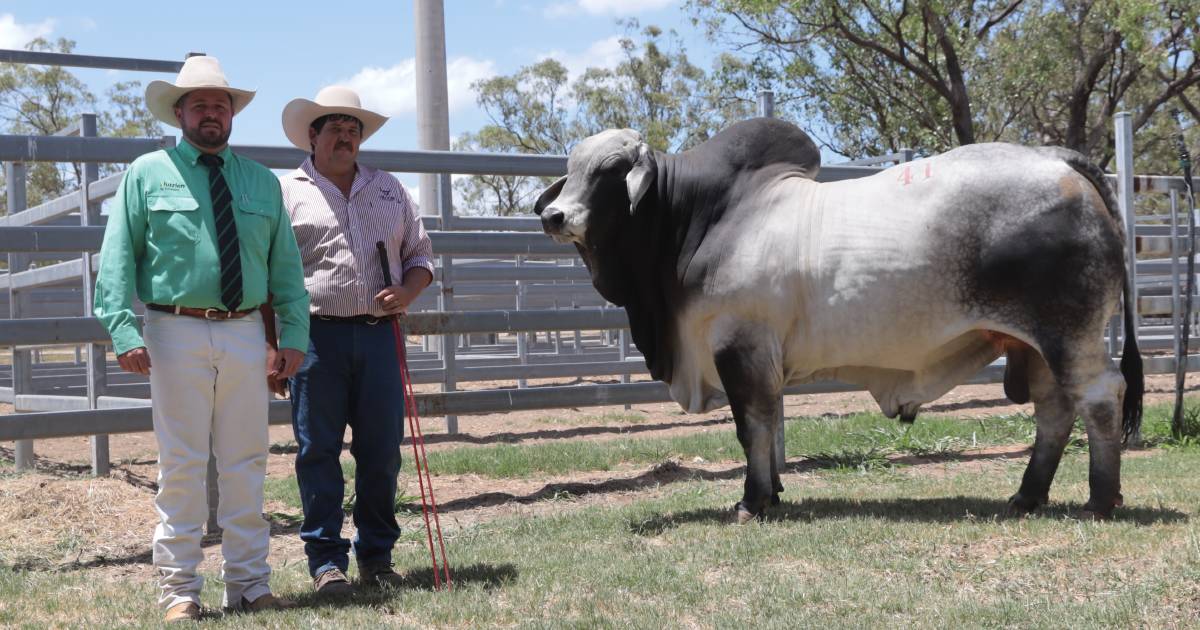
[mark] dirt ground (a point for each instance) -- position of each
(111, 519)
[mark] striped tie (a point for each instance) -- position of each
(227, 240)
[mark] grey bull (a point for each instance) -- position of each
(742, 275)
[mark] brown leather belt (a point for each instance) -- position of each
(369, 320)
(202, 313)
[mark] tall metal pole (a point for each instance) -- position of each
(22, 360)
(1123, 132)
(1124, 140)
(89, 214)
(433, 111)
(766, 103)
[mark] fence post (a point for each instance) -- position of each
(22, 360)
(1124, 150)
(89, 214)
(522, 338)
(623, 354)
(1123, 127)
(446, 299)
(766, 103)
(1176, 304)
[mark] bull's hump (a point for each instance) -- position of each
(757, 143)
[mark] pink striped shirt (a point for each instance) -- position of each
(337, 236)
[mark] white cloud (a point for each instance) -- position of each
(393, 91)
(13, 35)
(605, 53)
(618, 8)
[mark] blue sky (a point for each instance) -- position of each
(289, 50)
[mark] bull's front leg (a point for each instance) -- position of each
(752, 381)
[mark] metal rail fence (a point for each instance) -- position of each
(495, 276)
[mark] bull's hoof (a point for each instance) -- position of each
(1096, 511)
(742, 515)
(1021, 506)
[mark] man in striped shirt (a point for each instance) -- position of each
(339, 210)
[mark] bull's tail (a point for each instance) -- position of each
(1131, 369)
(1131, 357)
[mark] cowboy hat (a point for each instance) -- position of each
(198, 73)
(299, 114)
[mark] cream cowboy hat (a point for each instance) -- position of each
(335, 99)
(198, 73)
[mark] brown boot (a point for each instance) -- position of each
(332, 582)
(183, 611)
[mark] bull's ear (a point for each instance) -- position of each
(549, 195)
(641, 176)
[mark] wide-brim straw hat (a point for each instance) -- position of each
(299, 114)
(198, 73)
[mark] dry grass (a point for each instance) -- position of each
(48, 521)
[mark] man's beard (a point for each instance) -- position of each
(206, 137)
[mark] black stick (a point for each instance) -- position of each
(383, 262)
(1181, 354)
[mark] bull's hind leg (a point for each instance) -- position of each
(752, 380)
(1098, 399)
(1090, 386)
(1055, 414)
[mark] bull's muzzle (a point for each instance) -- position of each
(552, 221)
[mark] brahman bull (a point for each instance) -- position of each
(741, 275)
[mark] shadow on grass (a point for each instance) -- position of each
(672, 472)
(488, 576)
(667, 472)
(935, 510)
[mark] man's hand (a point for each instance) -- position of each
(136, 361)
(394, 300)
(284, 364)
(275, 384)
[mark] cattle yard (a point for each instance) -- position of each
(574, 494)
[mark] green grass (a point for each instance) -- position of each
(880, 548)
(607, 418)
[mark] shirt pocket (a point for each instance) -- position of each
(254, 225)
(173, 219)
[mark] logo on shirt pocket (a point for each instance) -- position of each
(173, 217)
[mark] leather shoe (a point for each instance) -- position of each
(332, 582)
(183, 611)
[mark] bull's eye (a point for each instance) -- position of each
(613, 163)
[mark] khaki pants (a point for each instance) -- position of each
(209, 378)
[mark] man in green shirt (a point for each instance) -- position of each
(201, 234)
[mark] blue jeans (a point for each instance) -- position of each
(350, 376)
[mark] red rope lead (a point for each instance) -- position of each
(421, 462)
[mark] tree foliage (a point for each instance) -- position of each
(43, 100)
(872, 76)
(654, 89)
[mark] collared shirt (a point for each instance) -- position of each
(337, 236)
(161, 239)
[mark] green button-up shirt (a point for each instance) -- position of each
(161, 239)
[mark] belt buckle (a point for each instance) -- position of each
(208, 311)
(371, 321)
